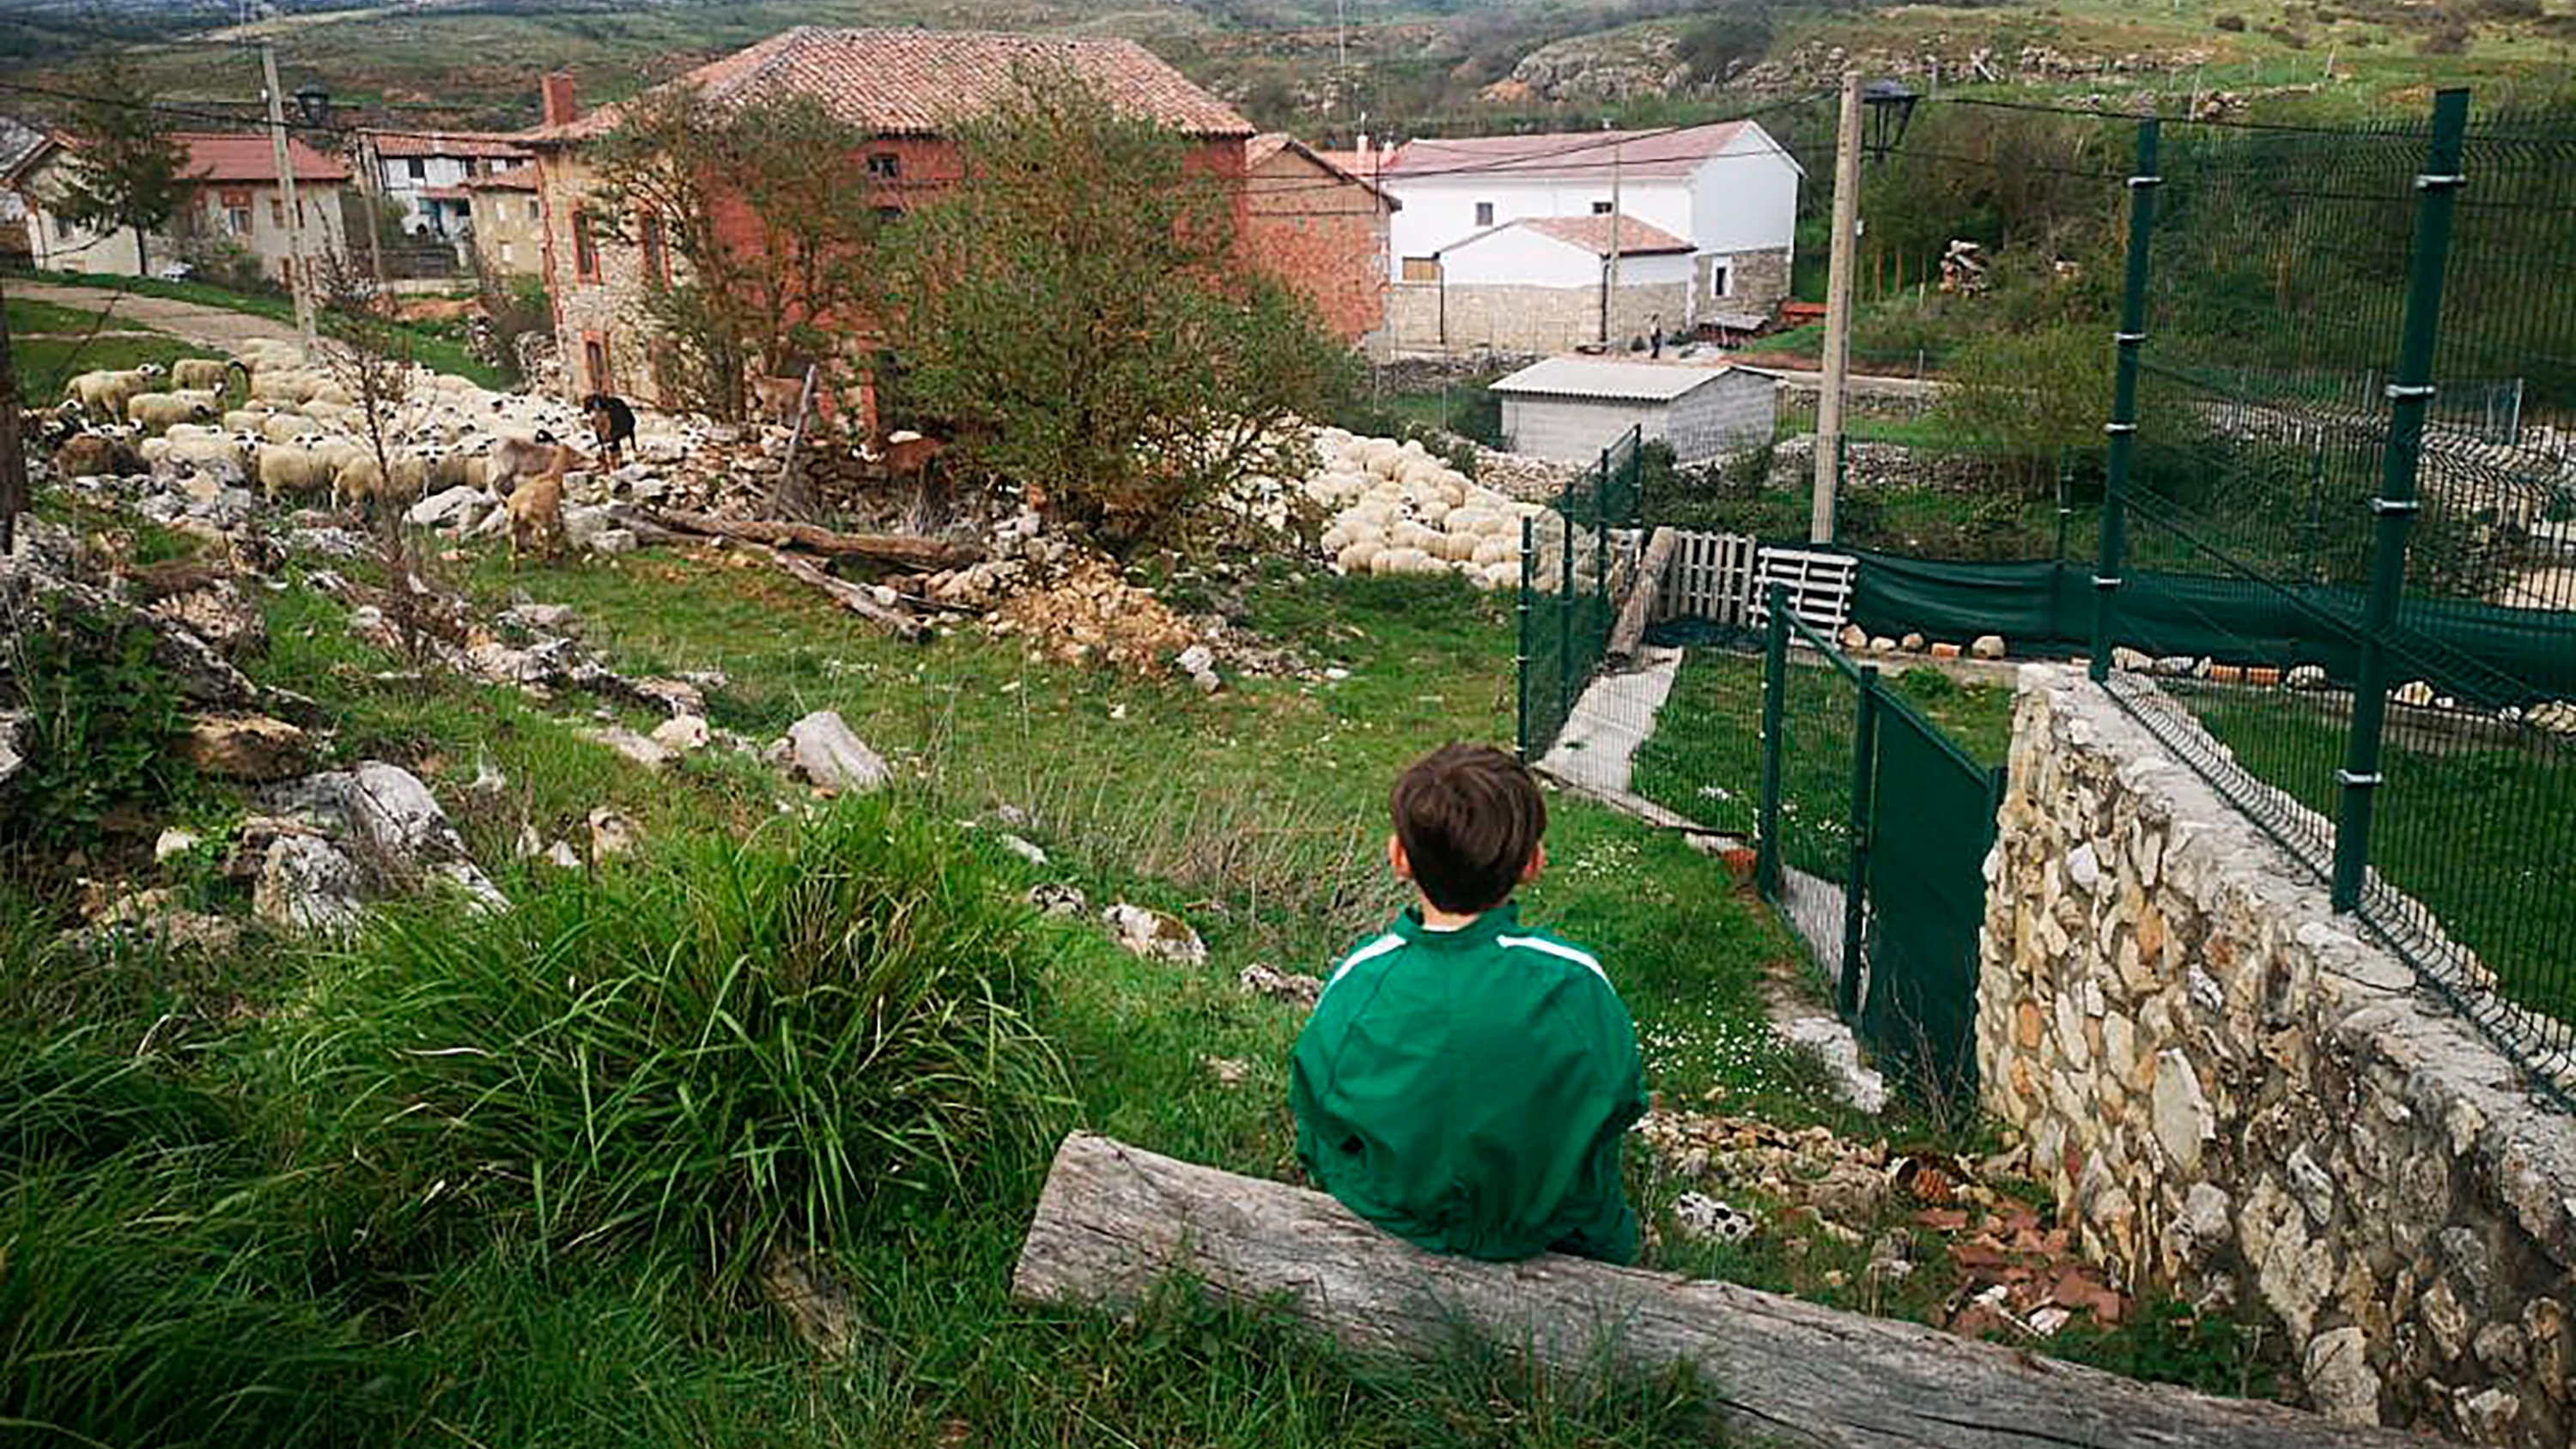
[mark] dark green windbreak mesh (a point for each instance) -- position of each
(1933, 822)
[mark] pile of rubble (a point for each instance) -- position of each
(1087, 614)
(2012, 1271)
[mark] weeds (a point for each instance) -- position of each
(101, 715)
(733, 1042)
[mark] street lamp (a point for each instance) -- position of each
(1891, 108)
(313, 104)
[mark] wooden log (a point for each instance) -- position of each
(849, 596)
(1116, 1221)
(896, 549)
(1634, 614)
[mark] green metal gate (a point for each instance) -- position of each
(1913, 815)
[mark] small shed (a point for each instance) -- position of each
(1567, 409)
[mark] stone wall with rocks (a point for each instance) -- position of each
(2237, 1099)
(1430, 315)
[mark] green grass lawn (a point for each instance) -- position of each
(47, 363)
(2482, 834)
(431, 347)
(27, 315)
(1705, 757)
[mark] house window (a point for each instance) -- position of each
(594, 354)
(506, 258)
(1422, 269)
(1600, 208)
(416, 169)
(237, 220)
(1484, 213)
(1720, 280)
(648, 231)
(277, 213)
(885, 166)
(585, 253)
(62, 227)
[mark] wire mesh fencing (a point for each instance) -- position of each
(2339, 530)
(1578, 563)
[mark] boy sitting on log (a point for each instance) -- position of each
(1465, 1080)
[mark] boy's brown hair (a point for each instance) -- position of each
(1470, 820)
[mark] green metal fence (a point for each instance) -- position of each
(1873, 828)
(2340, 449)
(1577, 556)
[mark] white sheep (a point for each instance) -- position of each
(103, 393)
(154, 411)
(200, 372)
(289, 470)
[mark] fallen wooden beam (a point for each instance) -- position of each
(899, 550)
(1116, 1221)
(849, 596)
(1630, 631)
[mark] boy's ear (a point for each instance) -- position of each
(1537, 863)
(1396, 859)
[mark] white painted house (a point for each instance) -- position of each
(426, 174)
(1727, 191)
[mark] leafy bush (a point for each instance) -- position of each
(101, 717)
(731, 1042)
(2230, 22)
(2031, 394)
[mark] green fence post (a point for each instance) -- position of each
(2123, 427)
(1775, 687)
(1521, 659)
(1593, 623)
(2410, 397)
(1565, 605)
(1856, 882)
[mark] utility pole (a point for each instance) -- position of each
(13, 449)
(1610, 286)
(1838, 313)
(300, 281)
(372, 193)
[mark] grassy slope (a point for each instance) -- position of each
(432, 346)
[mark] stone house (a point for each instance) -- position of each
(1323, 230)
(904, 89)
(1545, 284)
(1728, 190)
(234, 200)
(508, 233)
(429, 174)
(1570, 408)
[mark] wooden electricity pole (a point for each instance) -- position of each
(1610, 275)
(1838, 313)
(297, 277)
(13, 449)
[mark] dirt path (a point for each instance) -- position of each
(188, 321)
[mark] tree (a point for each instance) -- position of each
(2031, 395)
(125, 171)
(754, 237)
(1078, 308)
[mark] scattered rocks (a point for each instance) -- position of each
(1703, 1216)
(172, 843)
(250, 748)
(1025, 850)
(1296, 990)
(14, 727)
(1988, 646)
(681, 734)
(2415, 694)
(822, 751)
(1227, 1071)
(2130, 661)
(613, 833)
(307, 885)
(2305, 676)
(1155, 935)
(648, 752)
(1058, 900)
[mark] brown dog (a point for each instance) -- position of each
(536, 507)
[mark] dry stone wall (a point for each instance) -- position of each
(2238, 1099)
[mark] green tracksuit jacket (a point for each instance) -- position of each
(1466, 1091)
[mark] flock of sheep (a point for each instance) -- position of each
(299, 436)
(1400, 510)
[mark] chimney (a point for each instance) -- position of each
(562, 102)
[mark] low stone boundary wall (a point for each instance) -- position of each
(2238, 1098)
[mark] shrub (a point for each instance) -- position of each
(731, 1042)
(2230, 22)
(101, 717)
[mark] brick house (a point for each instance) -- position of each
(902, 88)
(1323, 230)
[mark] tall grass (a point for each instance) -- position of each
(145, 1295)
(732, 1042)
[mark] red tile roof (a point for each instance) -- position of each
(1659, 154)
(442, 193)
(515, 178)
(1270, 143)
(251, 156)
(446, 143)
(919, 82)
(1592, 233)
